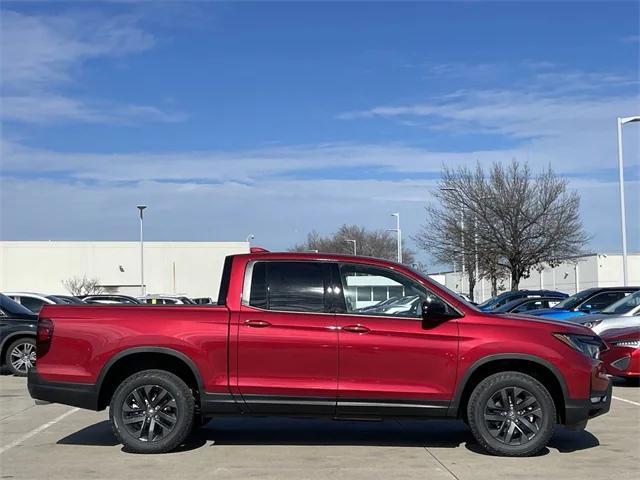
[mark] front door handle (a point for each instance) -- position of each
(257, 323)
(356, 329)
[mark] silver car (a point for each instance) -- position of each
(623, 313)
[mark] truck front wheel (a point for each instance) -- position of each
(152, 412)
(511, 414)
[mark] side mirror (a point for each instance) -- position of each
(433, 312)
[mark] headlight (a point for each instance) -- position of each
(627, 343)
(592, 323)
(587, 344)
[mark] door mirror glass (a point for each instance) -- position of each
(435, 310)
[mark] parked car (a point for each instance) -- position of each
(526, 305)
(588, 301)
(17, 336)
(108, 299)
(271, 347)
(203, 301)
(622, 359)
(506, 297)
(69, 299)
(624, 313)
(33, 301)
(166, 300)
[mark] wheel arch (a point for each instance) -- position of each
(539, 368)
(132, 360)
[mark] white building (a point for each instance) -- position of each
(594, 270)
(189, 268)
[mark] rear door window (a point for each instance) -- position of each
(289, 286)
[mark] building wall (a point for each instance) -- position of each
(597, 270)
(191, 268)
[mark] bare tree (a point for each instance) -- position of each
(83, 285)
(371, 243)
(517, 220)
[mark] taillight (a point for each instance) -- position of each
(43, 336)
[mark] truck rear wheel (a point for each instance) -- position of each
(511, 414)
(152, 412)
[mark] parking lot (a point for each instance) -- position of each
(60, 442)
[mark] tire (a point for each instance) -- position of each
(511, 414)
(20, 356)
(152, 412)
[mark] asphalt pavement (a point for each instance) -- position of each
(58, 442)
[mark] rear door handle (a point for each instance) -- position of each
(356, 329)
(257, 323)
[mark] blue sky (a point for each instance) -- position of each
(277, 118)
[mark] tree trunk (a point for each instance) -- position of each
(472, 286)
(515, 278)
(494, 285)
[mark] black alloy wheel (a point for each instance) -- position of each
(513, 416)
(152, 411)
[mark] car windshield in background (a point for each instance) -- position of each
(573, 301)
(493, 301)
(57, 300)
(12, 307)
(624, 304)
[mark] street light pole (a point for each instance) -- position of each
(623, 219)
(142, 287)
(399, 233)
(250, 237)
(355, 251)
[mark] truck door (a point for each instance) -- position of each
(390, 363)
(287, 347)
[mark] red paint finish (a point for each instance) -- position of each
(250, 352)
(397, 358)
(615, 357)
(297, 355)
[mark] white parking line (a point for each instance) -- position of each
(625, 400)
(36, 431)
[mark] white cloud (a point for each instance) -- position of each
(43, 109)
(42, 53)
(566, 118)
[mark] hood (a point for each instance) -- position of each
(625, 333)
(547, 311)
(582, 319)
(616, 323)
(561, 325)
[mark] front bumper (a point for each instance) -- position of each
(81, 395)
(578, 412)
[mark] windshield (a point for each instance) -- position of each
(624, 304)
(11, 307)
(573, 301)
(495, 300)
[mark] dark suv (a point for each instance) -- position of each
(507, 297)
(17, 336)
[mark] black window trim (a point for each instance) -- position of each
(248, 275)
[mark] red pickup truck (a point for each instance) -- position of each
(320, 335)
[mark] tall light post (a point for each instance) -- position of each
(399, 233)
(250, 237)
(142, 287)
(355, 250)
(623, 219)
